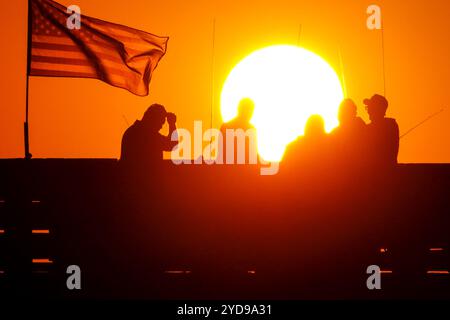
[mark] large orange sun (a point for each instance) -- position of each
(288, 84)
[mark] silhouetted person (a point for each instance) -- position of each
(142, 144)
(349, 122)
(241, 122)
(349, 138)
(311, 149)
(315, 129)
(383, 133)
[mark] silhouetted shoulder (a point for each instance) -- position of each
(391, 122)
(386, 124)
(128, 145)
(393, 127)
(133, 129)
(293, 145)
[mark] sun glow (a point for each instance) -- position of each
(288, 84)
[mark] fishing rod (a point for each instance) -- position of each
(213, 58)
(422, 122)
(341, 64)
(299, 37)
(125, 119)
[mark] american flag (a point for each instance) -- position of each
(121, 56)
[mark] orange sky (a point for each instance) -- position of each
(86, 118)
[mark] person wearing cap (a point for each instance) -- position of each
(142, 144)
(383, 133)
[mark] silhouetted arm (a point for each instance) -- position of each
(172, 138)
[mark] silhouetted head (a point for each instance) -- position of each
(376, 107)
(315, 127)
(155, 117)
(347, 111)
(245, 109)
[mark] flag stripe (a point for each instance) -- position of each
(69, 64)
(73, 55)
(96, 40)
(58, 60)
(57, 53)
(80, 69)
(60, 44)
(74, 74)
(63, 67)
(53, 46)
(53, 39)
(56, 73)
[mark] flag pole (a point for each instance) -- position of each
(27, 85)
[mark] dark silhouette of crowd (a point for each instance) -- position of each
(353, 143)
(306, 218)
